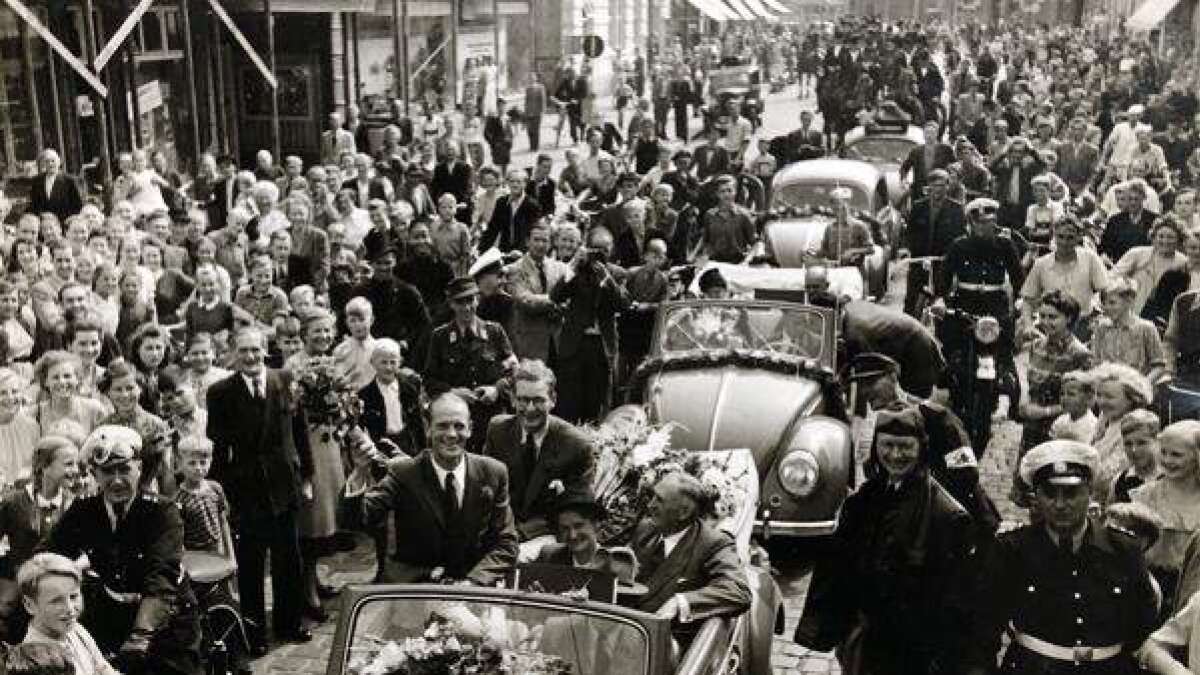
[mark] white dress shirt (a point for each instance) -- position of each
(257, 391)
(393, 411)
(460, 478)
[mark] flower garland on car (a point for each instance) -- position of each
(633, 456)
(327, 397)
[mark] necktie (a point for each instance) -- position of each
(1067, 546)
(450, 497)
(541, 268)
(531, 453)
(258, 389)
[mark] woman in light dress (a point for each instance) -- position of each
(1119, 390)
(1146, 264)
(318, 517)
(19, 432)
(58, 375)
(1175, 497)
(146, 186)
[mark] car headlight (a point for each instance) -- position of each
(987, 329)
(799, 473)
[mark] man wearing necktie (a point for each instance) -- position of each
(691, 570)
(451, 507)
(139, 600)
(545, 455)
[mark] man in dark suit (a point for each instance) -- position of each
(691, 570)
(366, 185)
(535, 106)
(134, 544)
(1128, 227)
(262, 459)
(512, 217)
(932, 154)
(225, 194)
(453, 176)
(544, 454)
(587, 344)
(1014, 172)
(808, 136)
(53, 191)
(711, 159)
(933, 224)
(541, 186)
(452, 511)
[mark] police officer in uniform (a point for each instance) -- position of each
(1076, 597)
(470, 357)
(979, 269)
(140, 603)
(875, 380)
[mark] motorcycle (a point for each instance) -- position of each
(974, 376)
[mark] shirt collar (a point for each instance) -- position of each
(460, 472)
(41, 502)
(672, 540)
(1076, 538)
(394, 385)
(474, 330)
(539, 437)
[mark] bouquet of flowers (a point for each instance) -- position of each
(633, 455)
(327, 397)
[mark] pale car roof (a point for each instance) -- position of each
(829, 170)
(912, 133)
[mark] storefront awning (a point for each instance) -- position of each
(758, 8)
(712, 9)
(740, 11)
(1150, 14)
(777, 6)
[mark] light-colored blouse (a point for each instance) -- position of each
(17, 440)
(1181, 518)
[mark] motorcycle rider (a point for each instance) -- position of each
(934, 223)
(979, 269)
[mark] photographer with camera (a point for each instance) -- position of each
(587, 345)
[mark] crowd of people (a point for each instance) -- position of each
(156, 341)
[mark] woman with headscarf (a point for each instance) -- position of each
(891, 594)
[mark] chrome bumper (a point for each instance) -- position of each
(784, 528)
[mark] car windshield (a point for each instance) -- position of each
(880, 150)
(405, 635)
(814, 195)
(795, 331)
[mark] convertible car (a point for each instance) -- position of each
(758, 374)
(801, 210)
(411, 629)
(884, 145)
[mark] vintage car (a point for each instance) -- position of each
(800, 210)
(884, 145)
(406, 629)
(740, 83)
(758, 374)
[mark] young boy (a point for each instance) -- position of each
(353, 353)
(201, 501)
(200, 359)
(1077, 422)
(51, 593)
(303, 299)
(207, 312)
(1121, 336)
(1139, 436)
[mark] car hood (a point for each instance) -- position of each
(789, 239)
(731, 407)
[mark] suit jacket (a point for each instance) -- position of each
(711, 161)
(260, 448)
(535, 317)
(943, 156)
(63, 199)
(591, 303)
(374, 416)
(933, 238)
(544, 192)
(456, 180)
(375, 190)
(508, 230)
(703, 566)
(1002, 170)
(1076, 165)
(565, 455)
(423, 539)
(535, 100)
(225, 193)
(299, 273)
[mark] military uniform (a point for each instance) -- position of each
(469, 358)
(137, 560)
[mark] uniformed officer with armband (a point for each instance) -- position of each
(470, 357)
(1076, 597)
(140, 603)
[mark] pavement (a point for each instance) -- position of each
(357, 566)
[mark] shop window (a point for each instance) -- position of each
(158, 36)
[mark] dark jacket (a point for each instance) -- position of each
(897, 571)
(943, 156)
(481, 547)
(374, 416)
(456, 180)
(508, 230)
(593, 301)
(1121, 233)
(63, 199)
(925, 238)
(375, 190)
(1171, 284)
(260, 450)
(565, 456)
(703, 566)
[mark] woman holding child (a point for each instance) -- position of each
(1119, 391)
(1055, 352)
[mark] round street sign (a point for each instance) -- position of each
(593, 46)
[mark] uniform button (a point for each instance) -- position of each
(1074, 573)
(1078, 642)
(1032, 589)
(1078, 596)
(1079, 620)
